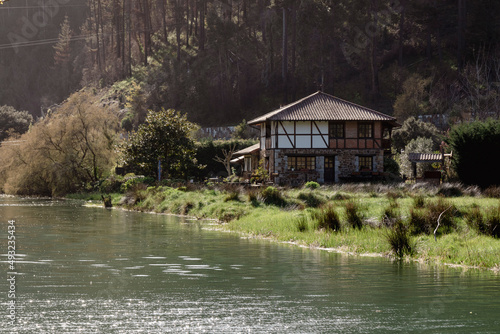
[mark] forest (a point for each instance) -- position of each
(221, 61)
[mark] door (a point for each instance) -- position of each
(329, 169)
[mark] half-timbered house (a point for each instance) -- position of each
(325, 139)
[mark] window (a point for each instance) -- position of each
(365, 163)
(365, 130)
(248, 164)
(301, 163)
(336, 129)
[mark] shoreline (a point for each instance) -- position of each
(247, 214)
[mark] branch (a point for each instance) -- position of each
(439, 218)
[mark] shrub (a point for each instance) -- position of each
(328, 219)
(451, 190)
(310, 199)
(399, 239)
(232, 196)
(112, 184)
(492, 192)
(311, 185)
(423, 219)
(418, 222)
(354, 218)
(134, 182)
(472, 144)
(273, 196)
(418, 201)
(301, 223)
(390, 214)
(475, 220)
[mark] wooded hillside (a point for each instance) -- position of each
(222, 61)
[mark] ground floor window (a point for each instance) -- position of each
(301, 163)
(365, 163)
(248, 164)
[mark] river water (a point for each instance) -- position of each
(93, 270)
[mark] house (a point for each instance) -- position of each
(323, 138)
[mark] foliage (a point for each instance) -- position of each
(13, 122)
(261, 174)
(414, 99)
(473, 146)
(165, 136)
(418, 145)
(207, 150)
(413, 128)
(310, 199)
(136, 181)
(311, 185)
(328, 219)
(71, 148)
(400, 240)
(273, 196)
(353, 214)
(243, 131)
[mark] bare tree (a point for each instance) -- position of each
(226, 161)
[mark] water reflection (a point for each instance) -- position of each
(96, 270)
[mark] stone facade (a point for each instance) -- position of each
(345, 167)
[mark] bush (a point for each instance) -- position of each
(399, 239)
(135, 181)
(112, 184)
(311, 185)
(354, 218)
(273, 196)
(472, 145)
(423, 219)
(310, 199)
(451, 190)
(302, 224)
(232, 196)
(390, 214)
(328, 219)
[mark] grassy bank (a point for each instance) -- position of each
(393, 221)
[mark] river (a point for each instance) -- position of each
(93, 270)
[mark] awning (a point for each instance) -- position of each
(237, 160)
(248, 150)
(425, 157)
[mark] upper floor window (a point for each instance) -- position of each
(365, 130)
(336, 129)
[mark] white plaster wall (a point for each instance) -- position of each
(319, 143)
(303, 127)
(303, 141)
(289, 127)
(283, 142)
(323, 127)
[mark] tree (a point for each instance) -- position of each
(165, 136)
(13, 122)
(412, 129)
(226, 161)
(417, 145)
(65, 152)
(474, 146)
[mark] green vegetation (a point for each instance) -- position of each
(472, 145)
(165, 136)
(13, 122)
(70, 150)
(397, 220)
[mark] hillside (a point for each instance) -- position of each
(222, 61)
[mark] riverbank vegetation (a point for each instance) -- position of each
(399, 221)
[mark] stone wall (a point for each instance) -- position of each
(346, 163)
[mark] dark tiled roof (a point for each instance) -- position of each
(425, 157)
(323, 107)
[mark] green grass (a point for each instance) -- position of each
(298, 215)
